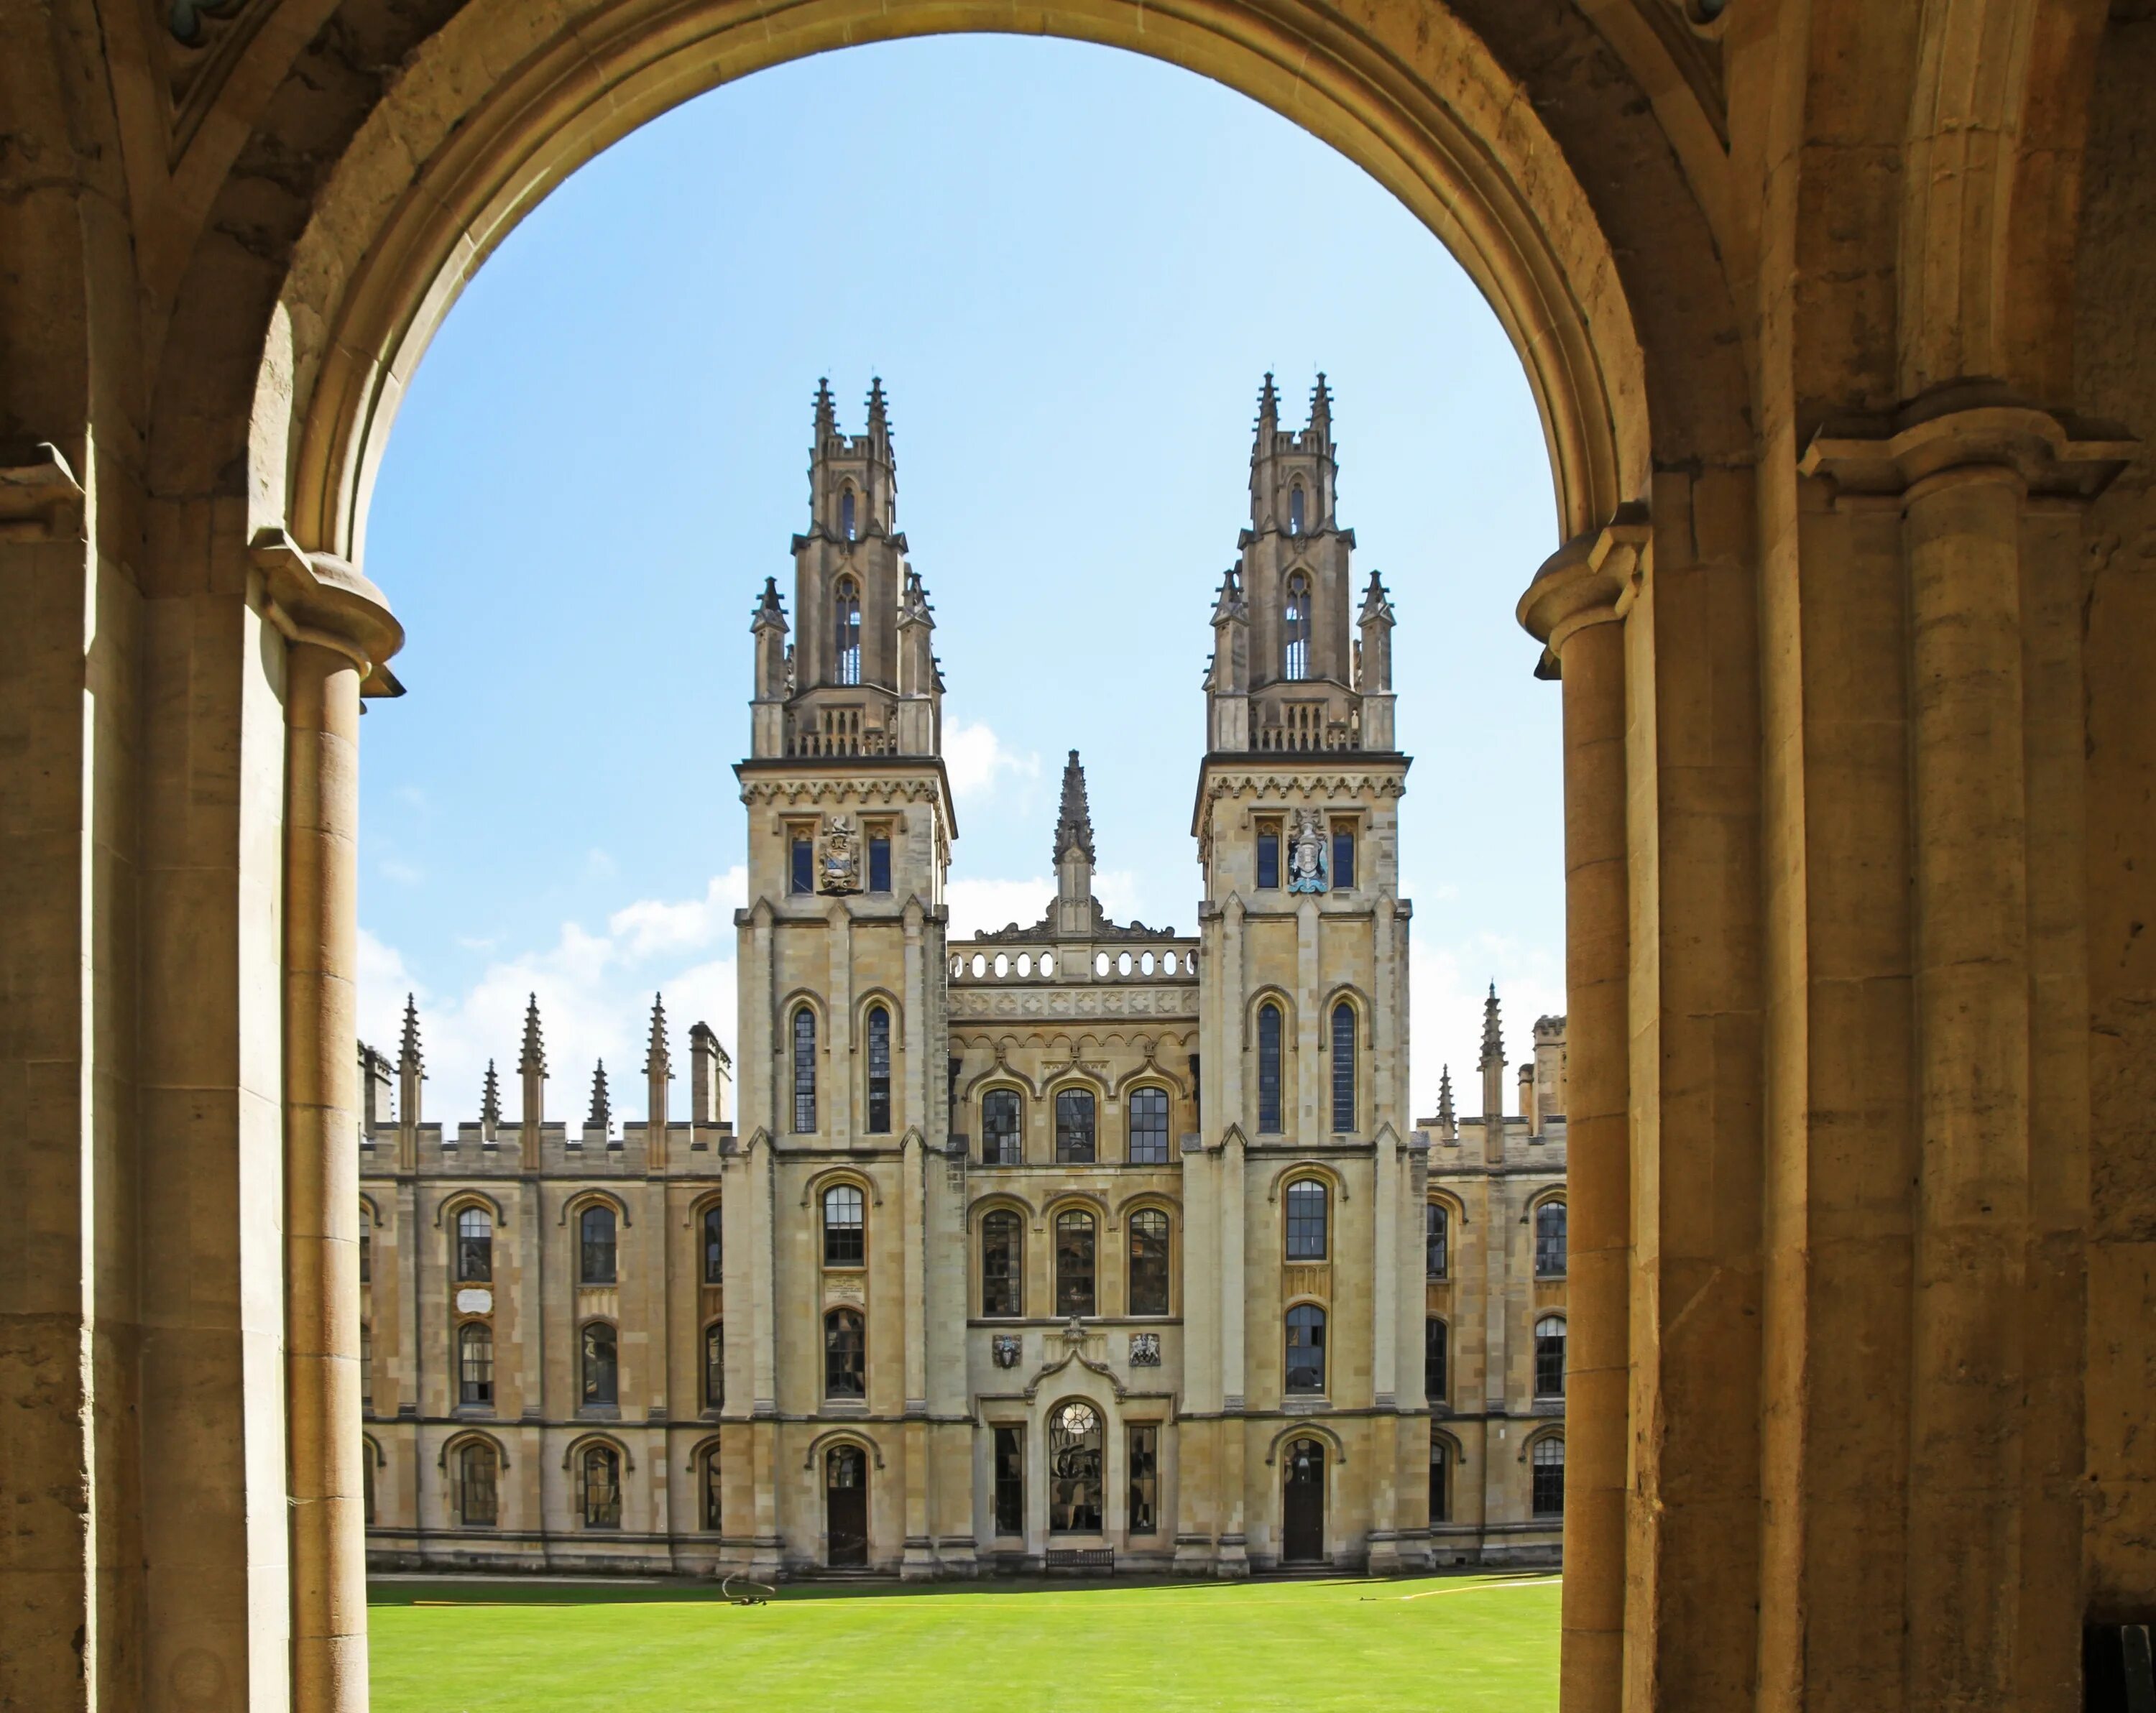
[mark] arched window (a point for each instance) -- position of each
(1440, 1480)
(1149, 1258)
(1549, 1356)
(1295, 629)
(601, 1364)
(1148, 1109)
(1074, 1470)
(1306, 1206)
(1295, 509)
(1269, 1069)
(475, 1363)
(1437, 1240)
(846, 625)
(1344, 1066)
(1074, 1263)
(1003, 1265)
(1549, 1240)
(845, 1355)
(846, 523)
(804, 1072)
(1002, 1143)
(600, 1469)
(475, 1247)
(714, 1505)
(714, 1245)
(715, 1365)
(1073, 1126)
(595, 1258)
(845, 1238)
(879, 1071)
(475, 1496)
(1548, 1464)
(1435, 1340)
(1305, 1348)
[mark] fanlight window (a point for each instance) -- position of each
(601, 1472)
(476, 1497)
(879, 1089)
(1074, 1470)
(1548, 1464)
(475, 1247)
(475, 1363)
(1306, 1207)
(845, 1355)
(1549, 1240)
(1002, 1258)
(1343, 1067)
(1000, 1141)
(846, 620)
(1437, 1240)
(714, 1246)
(804, 1072)
(1149, 1258)
(601, 1364)
(1269, 1069)
(1149, 1109)
(845, 1238)
(1295, 629)
(1305, 1348)
(1549, 1356)
(595, 1228)
(1074, 1263)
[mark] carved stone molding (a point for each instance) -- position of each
(978, 1004)
(318, 598)
(834, 787)
(1309, 786)
(40, 501)
(2050, 458)
(195, 44)
(1590, 580)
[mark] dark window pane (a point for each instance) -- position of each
(1269, 1069)
(475, 1247)
(802, 878)
(1295, 509)
(880, 864)
(1149, 1109)
(475, 1364)
(714, 1506)
(1343, 859)
(1305, 1348)
(1074, 1470)
(1074, 1263)
(879, 1072)
(1001, 1144)
(715, 1246)
(1269, 841)
(715, 1365)
(1343, 1067)
(1010, 1480)
(365, 1247)
(845, 1238)
(1437, 1240)
(845, 1355)
(804, 1072)
(1305, 1220)
(1549, 1239)
(601, 1489)
(1002, 1272)
(1074, 1127)
(1549, 1356)
(1440, 1483)
(1149, 1255)
(1549, 1477)
(596, 1229)
(602, 1381)
(477, 1499)
(1433, 1342)
(1144, 1480)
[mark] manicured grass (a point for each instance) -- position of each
(1442, 1644)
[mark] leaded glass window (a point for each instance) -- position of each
(1010, 1480)
(1002, 1257)
(845, 1236)
(1149, 1262)
(1549, 1240)
(846, 513)
(1437, 1240)
(595, 1230)
(1305, 1348)
(1441, 1481)
(846, 620)
(1548, 1464)
(1295, 509)
(1269, 854)
(715, 1365)
(1001, 1143)
(1145, 1480)
(879, 1071)
(880, 862)
(1306, 1208)
(602, 1485)
(1148, 1109)
(1294, 629)
(714, 1245)
(804, 1071)
(475, 1363)
(1074, 1263)
(801, 869)
(1073, 1126)
(601, 1366)
(1435, 1339)
(1343, 1067)
(477, 1500)
(845, 1355)
(475, 1246)
(1270, 1030)
(1549, 1356)
(714, 1491)
(1344, 856)
(1074, 1470)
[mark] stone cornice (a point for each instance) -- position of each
(865, 779)
(318, 598)
(2050, 457)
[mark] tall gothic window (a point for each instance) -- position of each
(845, 1355)
(804, 1071)
(1295, 509)
(1295, 629)
(1344, 856)
(879, 1071)
(1074, 1263)
(1149, 1261)
(1434, 1343)
(1549, 1462)
(475, 1247)
(601, 1487)
(879, 862)
(1003, 1262)
(714, 1245)
(1437, 1240)
(1149, 1110)
(475, 1363)
(1074, 1470)
(1440, 1483)
(601, 1364)
(1549, 1356)
(477, 1499)
(845, 1236)
(1010, 1480)
(846, 525)
(1074, 1127)
(715, 1365)
(846, 626)
(1269, 1069)
(1344, 1066)
(1305, 1348)
(596, 1246)
(1549, 1240)
(1000, 1143)
(714, 1491)
(1144, 1465)
(1305, 1220)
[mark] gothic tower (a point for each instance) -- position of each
(1305, 1054)
(837, 1223)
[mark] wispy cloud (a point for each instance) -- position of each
(989, 905)
(979, 760)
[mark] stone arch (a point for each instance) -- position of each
(842, 1436)
(583, 1198)
(600, 1436)
(458, 1200)
(812, 1192)
(1329, 1176)
(1335, 1448)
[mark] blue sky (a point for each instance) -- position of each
(1071, 267)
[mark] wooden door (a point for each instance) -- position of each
(846, 1507)
(1302, 1511)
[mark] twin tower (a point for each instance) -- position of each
(1078, 1237)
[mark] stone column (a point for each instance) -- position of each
(338, 630)
(1576, 605)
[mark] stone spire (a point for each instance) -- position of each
(1268, 415)
(1448, 1128)
(1493, 1032)
(1074, 821)
(489, 1106)
(827, 417)
(656, 1062)
(411, 1072)
(1493, 1081)
(1075, 911)
(1321, 411)
(658, 1072)
(532, 1064)
(602, 1113)
(878, 420)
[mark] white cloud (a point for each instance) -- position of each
(977, 759)
(1449, 983)
(653, 925)
(994, 904)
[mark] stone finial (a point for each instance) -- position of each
(1493, 1032)
(533, 1061)
(878, 420)
(770, 609)
(1074, 821)
(1268, 414)
(1377, 604)
(409, 1056)
(1446, 1125)
(1321, 411)
(489, 1101)
(602, 1113)
(656, 1061)
(1229, 605)
(827, 416)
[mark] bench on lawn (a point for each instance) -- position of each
(1101, 1558)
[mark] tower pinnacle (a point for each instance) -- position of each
(1493, 1033)
(602, 1113)
(1074, 821)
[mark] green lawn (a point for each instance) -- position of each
(1439, 1644)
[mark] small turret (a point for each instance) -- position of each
(879, 422)
(827, 415)
(1268, 416)
(1374, 665)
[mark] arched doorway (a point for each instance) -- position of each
(1074, 1469)
(846, 1508)
(1302, 1504)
